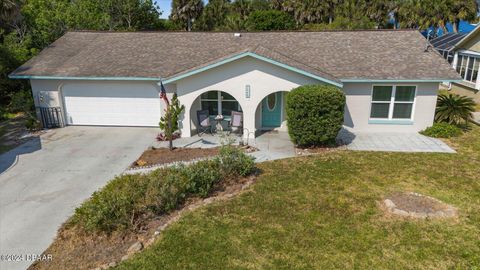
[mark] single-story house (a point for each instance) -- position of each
(390, 77)
(466, 61)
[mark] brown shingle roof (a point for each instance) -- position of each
(336, 55)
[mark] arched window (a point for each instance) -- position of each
(218, 101)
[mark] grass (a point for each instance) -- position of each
(322, 212)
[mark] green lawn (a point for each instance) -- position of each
(321, 212)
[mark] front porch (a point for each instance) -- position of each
(212, 112)
(271, 145)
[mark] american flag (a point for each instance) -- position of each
(163, 93)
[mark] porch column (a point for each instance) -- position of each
(185, 121)
(455, 60)
(249, 121)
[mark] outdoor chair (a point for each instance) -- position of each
(236, 121)
(204, 125)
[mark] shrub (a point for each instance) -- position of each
(268, 20)
(126, 200)
(442, 130)
(235, 162)
(454, 109)
(203, 175)
(315, 114)
(115, 206)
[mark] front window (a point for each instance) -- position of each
(392, 102)
(217, 101)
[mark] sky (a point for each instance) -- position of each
(166, 6)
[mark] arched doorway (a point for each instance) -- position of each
(217, 103)
(270, 113)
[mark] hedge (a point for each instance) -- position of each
(442, 130)
(315, 114)
(128, 199)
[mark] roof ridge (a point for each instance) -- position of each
(244, 31)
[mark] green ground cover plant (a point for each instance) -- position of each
(126, 201)
(442, 130)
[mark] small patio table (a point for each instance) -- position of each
(219, 120)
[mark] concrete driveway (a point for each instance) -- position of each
(52, 176)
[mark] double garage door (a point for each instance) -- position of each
(111, 104)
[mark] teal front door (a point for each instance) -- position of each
(272, 110)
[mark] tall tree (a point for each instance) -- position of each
(308, 11)
(113, 15)
(186, 11)
(214, 15)
(462, 10)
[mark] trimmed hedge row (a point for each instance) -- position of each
(126, 200)
(315, 114)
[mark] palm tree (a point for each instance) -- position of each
(214, 15)
(462, 10)
(9, 9)
(186, 11)
(454, 109)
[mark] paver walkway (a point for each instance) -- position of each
(271, 145)
(394, 142)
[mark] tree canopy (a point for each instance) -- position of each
(28, 26)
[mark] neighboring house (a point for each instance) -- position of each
(466, 61)
(446, 43)
(112, 78)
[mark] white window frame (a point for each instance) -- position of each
(392, 103)
(476, 59)
(218, 100)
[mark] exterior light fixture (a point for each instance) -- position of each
(247, 91)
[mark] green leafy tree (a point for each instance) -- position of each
(169, 122)
(454, 109)
(185, 12)
(267, 20)
(114, 15)
(214, 15)
(308, 11)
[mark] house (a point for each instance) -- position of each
(466, 62)
(446, 43)
(112, 78)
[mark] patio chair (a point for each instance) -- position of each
(236, 121)
(204, 125)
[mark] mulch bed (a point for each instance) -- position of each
(157, 156)
(75, 249)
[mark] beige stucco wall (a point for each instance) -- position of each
(473, 44)
(357, 111)
(466, 91)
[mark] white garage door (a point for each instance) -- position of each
(111, 104)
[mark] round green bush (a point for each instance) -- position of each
(315, 114)
(442, 130)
